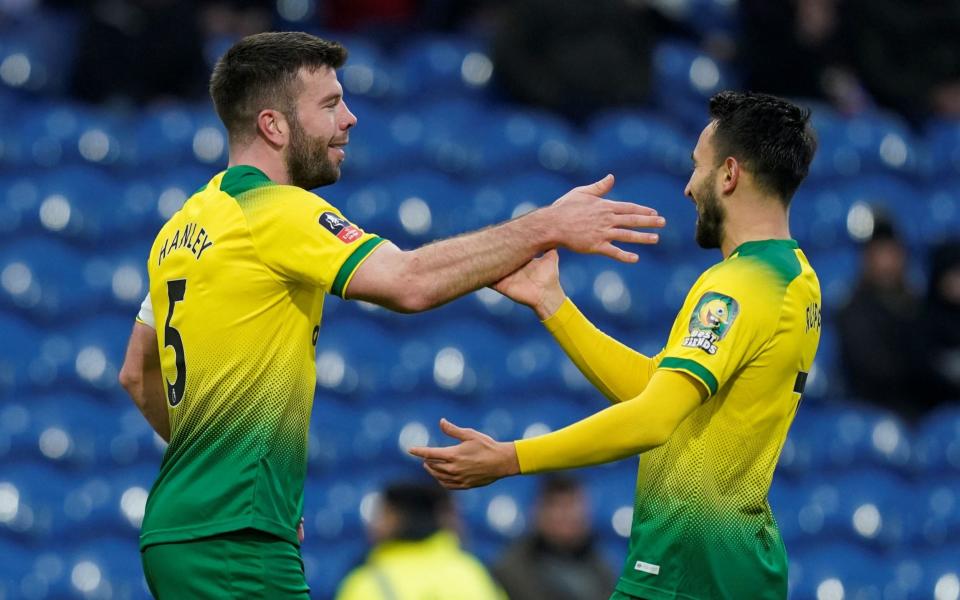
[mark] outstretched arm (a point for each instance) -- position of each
(142, 378)
(582, 220)
(618, 371)
(619, 431)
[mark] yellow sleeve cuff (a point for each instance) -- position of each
(557, 320)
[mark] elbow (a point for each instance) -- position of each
(415, 302)
(131, 382)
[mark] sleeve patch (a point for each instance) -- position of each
(712, 318)
(345, 231)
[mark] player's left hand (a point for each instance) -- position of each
(476, 461)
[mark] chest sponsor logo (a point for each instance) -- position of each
(345, 231)
(712, 318)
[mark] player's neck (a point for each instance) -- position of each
(266, 159)
(754, 220)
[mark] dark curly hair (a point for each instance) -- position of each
(770, 136)
(261, 71)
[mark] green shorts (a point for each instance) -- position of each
(239, 564)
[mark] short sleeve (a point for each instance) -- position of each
(724, 323)
(303, 238)
(145, 315)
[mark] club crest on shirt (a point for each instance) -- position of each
(711, 319)
(345, 231)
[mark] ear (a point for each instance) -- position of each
(731, 175)
(273, 127)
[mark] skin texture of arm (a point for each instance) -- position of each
(622, 430)
(143, 380)
(582, 220)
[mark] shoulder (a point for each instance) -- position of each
(763, 270)
(358, 584)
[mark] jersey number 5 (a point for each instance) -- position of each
(176, 290)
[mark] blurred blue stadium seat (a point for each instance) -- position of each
(36, 47)
(357, 357)
(626, 143)
(45, 280)
(936, 520)
(938, 442)
(164, 136)
(943, 137)
(438, 66)
(684, 77)
(941, 573)
(938, 215)
(665, 195)
(517, 140)
(838, 273)
(375, 149)
(851, 436)
(452, 131)
(836, 570)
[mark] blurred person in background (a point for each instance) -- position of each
(416, 553)
(574, 58)
(941, 317)
(901, 54)
(139, 51)
(559, 558)
(879, 329)
(806, 34)
(906, 53)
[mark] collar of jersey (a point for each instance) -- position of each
(242, 178)
(758, 244)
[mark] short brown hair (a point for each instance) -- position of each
(770, 135)
(260, 71)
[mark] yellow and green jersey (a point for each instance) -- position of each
(702, 526)
(237, 280)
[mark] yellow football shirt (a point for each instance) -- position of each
(237, 280)
(702, 527)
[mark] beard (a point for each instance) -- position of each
(710, 218)
(308, 165)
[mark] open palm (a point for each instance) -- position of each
(535, 284)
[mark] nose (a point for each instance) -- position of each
(348, 119)
(687, 191)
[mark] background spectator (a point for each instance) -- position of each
(558, 558)
(574, 57)
(941, 317)
(416, 553)
(141, 50)
(879, 330)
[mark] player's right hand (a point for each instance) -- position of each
(588, 223)
(536, 284)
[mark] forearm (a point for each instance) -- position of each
(622, 430)
(445, 270)
(149, 396)
(618, 371)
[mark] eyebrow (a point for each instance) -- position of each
(693, 158)
(331, 97)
